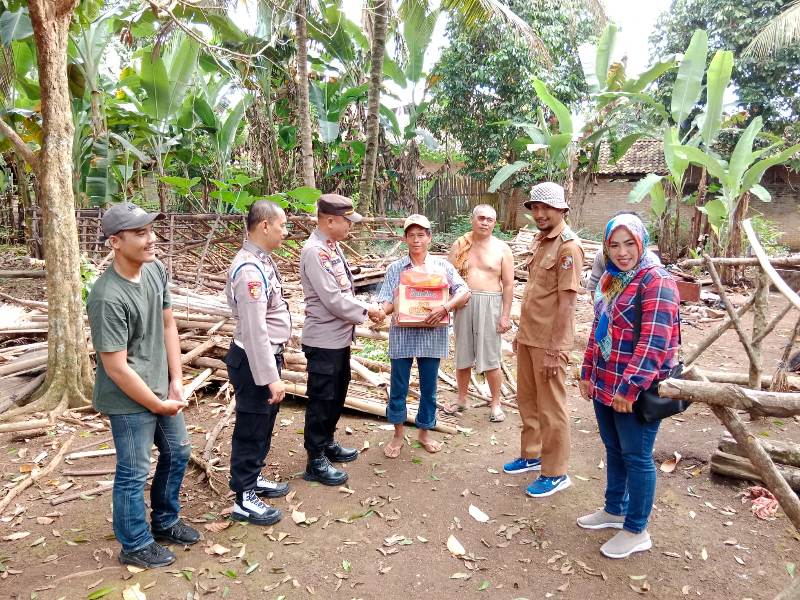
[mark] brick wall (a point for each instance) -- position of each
(610, 196)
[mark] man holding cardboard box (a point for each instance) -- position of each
(420, 290)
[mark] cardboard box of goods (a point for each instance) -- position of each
(415, 303)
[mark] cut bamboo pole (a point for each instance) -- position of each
(195, 383)
(198, 350)
(25, 425)
(374, 379)
(91, 454)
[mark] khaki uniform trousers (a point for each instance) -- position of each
(543, 409)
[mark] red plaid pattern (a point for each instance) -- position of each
(631, 369)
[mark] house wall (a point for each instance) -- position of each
(610, 196)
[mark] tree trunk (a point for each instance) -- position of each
(697, 218)
(69, 377)
(760, 310)
(407, 179)
(733, 245)
(381, 16)
(307, 152)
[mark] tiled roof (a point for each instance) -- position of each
(645, 156)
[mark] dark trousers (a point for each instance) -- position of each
(255, 418)
(328, 379)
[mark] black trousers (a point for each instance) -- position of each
(255, 418)
(328, 380)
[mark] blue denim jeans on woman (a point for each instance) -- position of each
(629, 465)
(398, 392)
(134, 435)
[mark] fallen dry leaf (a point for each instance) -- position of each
(217, 549)
(16, 536)
(668, 466)
(455, 547)
(477, 514)
(217, 526)
(298, 517)
(133, 593)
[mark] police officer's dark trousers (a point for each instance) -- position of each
(328, 380)
(255, 418)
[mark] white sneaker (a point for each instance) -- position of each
(601, 520)
(625, 543)
(249, 507)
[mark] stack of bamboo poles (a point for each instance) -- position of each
(206, 328)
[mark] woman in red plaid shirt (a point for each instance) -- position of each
(624, 357)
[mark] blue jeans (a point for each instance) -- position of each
(629, 463)
(398, 392)
(134, 434)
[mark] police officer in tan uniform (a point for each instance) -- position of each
(331, 314)
(546, 328)
(255, 359)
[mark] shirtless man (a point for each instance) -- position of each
(487, 265)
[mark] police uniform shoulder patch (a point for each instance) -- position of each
(567, 262)
(255, 289)
(325, 261)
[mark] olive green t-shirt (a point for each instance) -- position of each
(124, 315)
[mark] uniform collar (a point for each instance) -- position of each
(256, 250)
(324, 239)
(554, 233)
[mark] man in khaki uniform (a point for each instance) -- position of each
(332, 312)
(254, 360)
(546, 328)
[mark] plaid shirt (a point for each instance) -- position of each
(631, 369)
(408, 342)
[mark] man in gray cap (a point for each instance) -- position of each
(332, 312)
(545, 336)
(254, 360)
(139, 386)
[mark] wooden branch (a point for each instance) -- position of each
(694, 354)
(374, 379)
(772, 324)
(741, 467)
(767, 404)
(89, 472)
(26, 303)
(199, 350)
(22, 274)
(196, 383)
(24, 425)
(778, 261)
(765, 263)
(25, 391)
(95, 491)
(35, 476)
(766, 469)
(92, 454)
(787, 453)
(220, 425)
(731, 312)
(28, 155)
(744, 379)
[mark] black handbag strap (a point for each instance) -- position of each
(637, 324)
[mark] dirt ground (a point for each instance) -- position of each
(385, 535)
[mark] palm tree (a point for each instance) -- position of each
(783, 30)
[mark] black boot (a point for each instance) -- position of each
(337, 453)
(320, 469)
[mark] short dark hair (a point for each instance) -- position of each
(262, 210)
(629, 212)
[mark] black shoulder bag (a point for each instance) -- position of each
(649, 406)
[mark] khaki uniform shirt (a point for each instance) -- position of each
(332, 311)
(555, 265)
(263, 322)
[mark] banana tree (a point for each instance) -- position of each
(667, 192)
(739, 178)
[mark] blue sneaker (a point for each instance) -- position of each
(522, 465)
(546, 486)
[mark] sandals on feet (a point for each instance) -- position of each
(497, 416)
(432, 446)
(454, 409)
(390, 451)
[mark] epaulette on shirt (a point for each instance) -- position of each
(568, 234)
